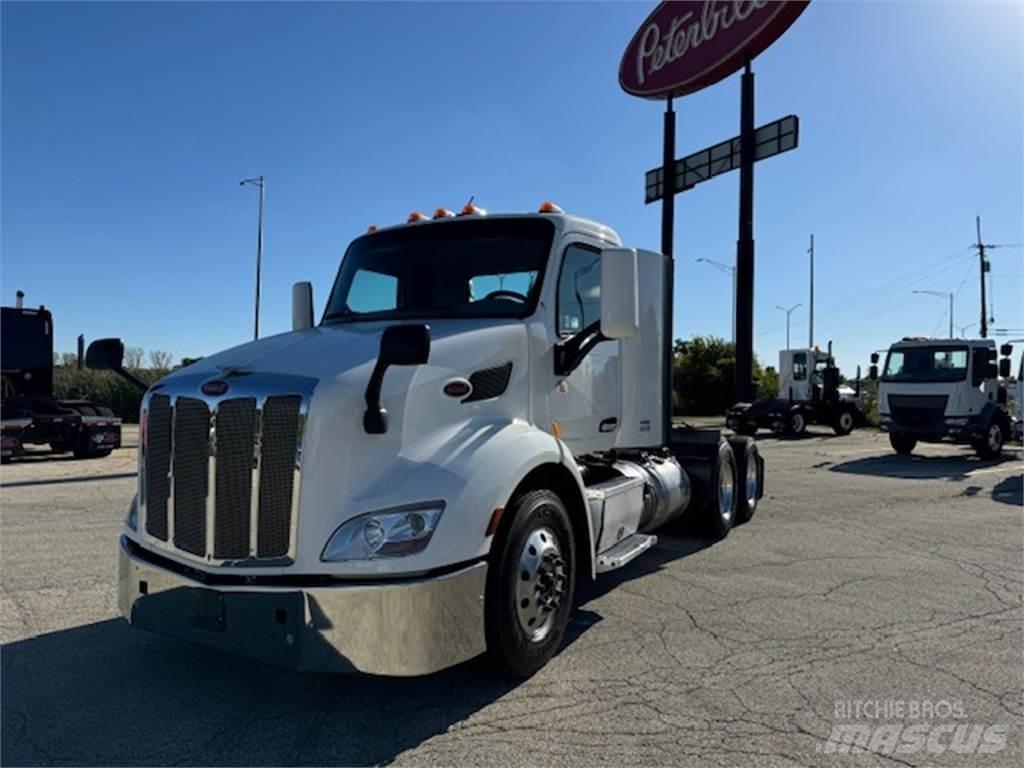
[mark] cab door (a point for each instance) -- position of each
(587, 404)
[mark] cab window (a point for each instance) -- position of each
(579, 289)
(799, 366)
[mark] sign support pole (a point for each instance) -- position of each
(668, 212)
(745, 246)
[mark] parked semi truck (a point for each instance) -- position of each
(810, 392)
(480, 418)
(29, 411)
(944, 389)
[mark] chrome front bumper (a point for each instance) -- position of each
(410, 627)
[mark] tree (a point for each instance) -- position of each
(133, 357)
(160, 360)
(703, 376)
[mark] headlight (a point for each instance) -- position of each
(956, 422)
(389, 533)
(132, 521)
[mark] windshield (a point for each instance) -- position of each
(466, 268)
(938, 363)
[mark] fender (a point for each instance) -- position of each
(992, 411)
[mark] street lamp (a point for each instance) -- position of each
(944, 294)
(788, 313)
(963, 329)
(729, 270)
(257, 182)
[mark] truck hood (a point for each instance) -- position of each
(345, 471)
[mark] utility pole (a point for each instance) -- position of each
(810, 343)
(257, 182)
(984, 268)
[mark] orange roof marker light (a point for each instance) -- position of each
(549, 207)
(416, 216)
(443, 213)
(371, 229)
(472, 210)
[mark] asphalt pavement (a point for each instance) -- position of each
(869, 589)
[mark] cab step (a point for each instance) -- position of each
(624, 552)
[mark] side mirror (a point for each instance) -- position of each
(874, 358)
(1006, 350)
(992, 372)
(302, 306)
(1004, 367)
(399, 345)
(620, 304)
(105, 355)
(108, 355)
(873, 372)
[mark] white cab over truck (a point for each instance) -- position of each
(809, 393)
(479, 419)
(944, 389)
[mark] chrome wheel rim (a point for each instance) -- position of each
(540, 583)
(995, 437)
(751, 482)
(726, 490)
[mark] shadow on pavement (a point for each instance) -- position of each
(108, 694)
(1010, 491)
(915, 467)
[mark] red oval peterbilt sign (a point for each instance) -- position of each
(687, 45)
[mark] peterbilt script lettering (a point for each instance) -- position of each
(685, 32)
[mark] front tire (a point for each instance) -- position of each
(797, 423)
(844, 422)
(990, 444)
(530, 584)
(902, 443)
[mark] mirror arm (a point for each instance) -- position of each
(131, 378)
(570, 354)
(375, 419)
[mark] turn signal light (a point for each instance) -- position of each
(443, 213)
(472, 210)
(549, 207)
(416, 216)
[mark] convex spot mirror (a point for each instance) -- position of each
(405, 345)
(105, 355)
(620, 310)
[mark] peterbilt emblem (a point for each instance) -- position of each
(215, 387)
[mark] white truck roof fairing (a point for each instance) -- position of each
(563, 222)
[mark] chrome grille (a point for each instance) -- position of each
(219, 476)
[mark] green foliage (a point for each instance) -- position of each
(702, 376)
(103, 388)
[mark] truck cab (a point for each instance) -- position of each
(944, 389)
(477, 419)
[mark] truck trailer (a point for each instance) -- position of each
(945, 390)
(29, 411)
(810, 392)
(480, 417)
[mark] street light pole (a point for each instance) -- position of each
(257, 181)
(944, 294)
(730, 270)
(788, 313)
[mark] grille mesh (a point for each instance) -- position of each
(156, 482)
(489, 382)
(236, 431)
(191, 473)
(277, 474)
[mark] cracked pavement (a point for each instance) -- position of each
(863, 576)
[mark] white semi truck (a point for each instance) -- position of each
(809, 393)
(944, 390)
(480, 418)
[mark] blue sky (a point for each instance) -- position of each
(126, 128)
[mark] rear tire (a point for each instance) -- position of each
(720, 499)
(990, 444)
(796, 425)
(902, 443)
(525, 618)
(749, 477)
(844, 422)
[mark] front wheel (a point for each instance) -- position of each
(797, 423)
(530, 584)
(990, 444)
(902, 443)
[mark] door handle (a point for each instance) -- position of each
(608, 425)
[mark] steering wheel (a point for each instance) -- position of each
(503, 294)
